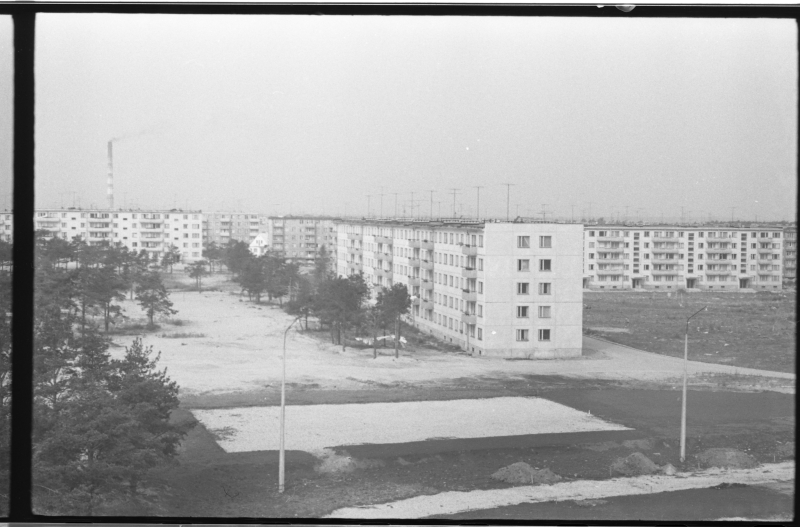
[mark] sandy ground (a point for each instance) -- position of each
(330, 425)
(240, 344)
(456, 502)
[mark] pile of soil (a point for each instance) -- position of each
(333, 462)
(726, 458)
(523, 473)
(637, 464)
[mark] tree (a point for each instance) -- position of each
(153, 297)
(197, 270)
(5, 382)
(339, 302)
(236, 254)
(5, 255)
(106, 287)
(213, 254)
(394, 302)
(171, 257)
(322, 265)
(252, 278)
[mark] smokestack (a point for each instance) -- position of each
(110, 177)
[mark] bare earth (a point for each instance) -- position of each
(241, 347)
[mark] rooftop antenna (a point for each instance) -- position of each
(110, 190)
(508, 199)
(478, 208)
(454, 191)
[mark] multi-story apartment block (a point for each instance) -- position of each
(300, 238)
(153, 231)
(672, 257)
(222, 227)
(7, 226)
(790, 254)
(504, 289)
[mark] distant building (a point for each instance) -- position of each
(153, 231)
(790, 254)
(504, 289)
(300, 238)
(222, 227)
(675, 257)
(260, 244)
(7, 226)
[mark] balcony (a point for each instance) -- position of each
(383, 239)
(718, 272)
(386, 257)
(766, 250)
(469, 318)
(469, 295)
(416, 301)
(354, 250)
(383, 272)
(414, 262)
(609, 238)
(414, 280)
(665, 239)
(614, 250)
(719, 250)
(666, 250)
(768, 271)
(469, 250)
(665, 260)
(151, 227)
(354, 236)
(427, 264)
(610, 271)
(427, 245)
(427, 284)
(414, 244)
(664, 272)
(354, 266)
(609, 260)
(469, 272)
(427, 304)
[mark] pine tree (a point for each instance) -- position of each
(153, 297)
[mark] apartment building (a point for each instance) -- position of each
(790, 254)
(222, 227)
(672, 257)
(501, 289)
(300, 238)
(151, 230)
(7, 226)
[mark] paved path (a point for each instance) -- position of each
(453, 502)
(624, 359)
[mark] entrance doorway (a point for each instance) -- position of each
(586, 283)
(744, 283)
(691, 283)
(636, 283)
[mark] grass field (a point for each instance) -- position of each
(754, 330)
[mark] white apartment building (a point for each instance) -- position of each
(790, 254)
(299, 238)
(151, 230)
(672, 257)
(222, 227)
(502, 289)
(7, 226)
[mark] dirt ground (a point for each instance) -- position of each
(754, 330)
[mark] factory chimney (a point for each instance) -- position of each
(110, 177)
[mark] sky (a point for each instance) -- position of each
(6, 111)
(653, 118)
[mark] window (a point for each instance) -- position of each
(524, 242)
(480, 287)
(544, 265)
(544, 311)
(522, 311)
(545, 242)
(523, 288)
(480, 334)
(545, 288)
(523, 265)
(591, 256)
(522, 335)
(544, 335)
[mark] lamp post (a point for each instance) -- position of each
(685, 367)
(281, 458)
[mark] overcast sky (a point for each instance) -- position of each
(6, 110)
(311, 114)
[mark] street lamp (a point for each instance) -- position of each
(685, 367)
(281, 461)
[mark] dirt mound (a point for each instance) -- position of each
(637, 464)
(333, 462)
(726, 458)
(641, 444)
(523, 473)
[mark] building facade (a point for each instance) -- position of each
(260, 245)
(672, 257)
(790, 255)
(502, 289)
(153, 231)
(222, 227)
(300, 238)
(7, 226)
